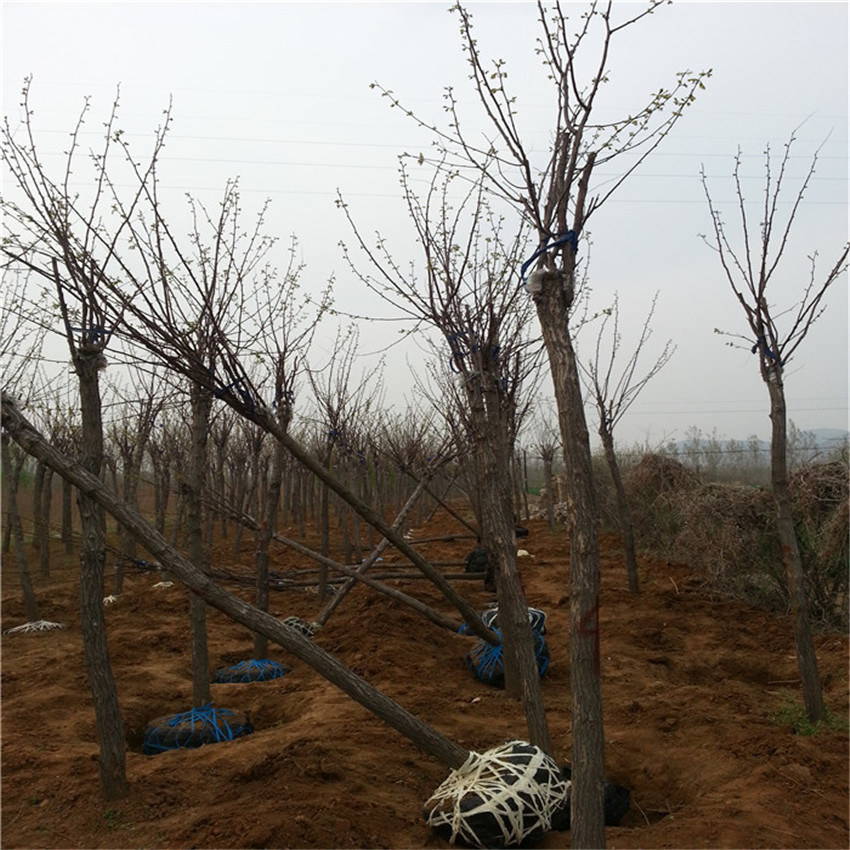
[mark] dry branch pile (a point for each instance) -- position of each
(728, 533)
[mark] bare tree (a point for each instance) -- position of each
(200, 292)
(341, 405)
(411, 445)
(750, 264)
(161, 450)
(58, 432)
(285, 340)
(555, 197)
(73, 242)
(614, 393)
(468, 293)
(141, 284)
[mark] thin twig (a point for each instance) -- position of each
(799, 782)
(641, 811)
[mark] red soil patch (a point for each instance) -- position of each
(689, 685)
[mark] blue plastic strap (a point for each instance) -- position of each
(569, 238)
(761, 343)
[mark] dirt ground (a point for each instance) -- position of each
(689, 687)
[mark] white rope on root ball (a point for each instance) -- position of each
(35, 626)
(499, 798)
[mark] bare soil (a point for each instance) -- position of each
(690, 685)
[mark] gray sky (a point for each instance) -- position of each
(278, 94)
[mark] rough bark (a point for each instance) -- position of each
(624, 514)
(265, 532)
(201, 403)
(490, 436)
(110, 728)
(553, 309)
(44, 525)
(807, 661)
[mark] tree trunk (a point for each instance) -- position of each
(239, 504)
(67, 516)
(11, 474)
(7, 534)
(624, 514)
(358, 574)
(325, 519)
(44, 525)
(439, 502)
(180, 514)
(127, 543)
(553, 304)
(112, 469)
(220, 468)
(201, 402)
(492, 455)
(523, 472)
(427, 738)
(110, 728)
(265, 532)
(37, 513)
(550, 496)
(516, 479)
(161, 487)
(807, 661)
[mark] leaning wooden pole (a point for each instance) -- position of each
(264, 417)
(443, 504)
(426, 737)
(354, 575)
(336, 600)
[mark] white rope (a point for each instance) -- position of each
(301, 626)
(36, 626)
(536, 618)
(519, 787)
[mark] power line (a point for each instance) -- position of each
(348, 143)
(393, 167)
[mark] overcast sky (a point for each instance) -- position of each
(279, 95)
